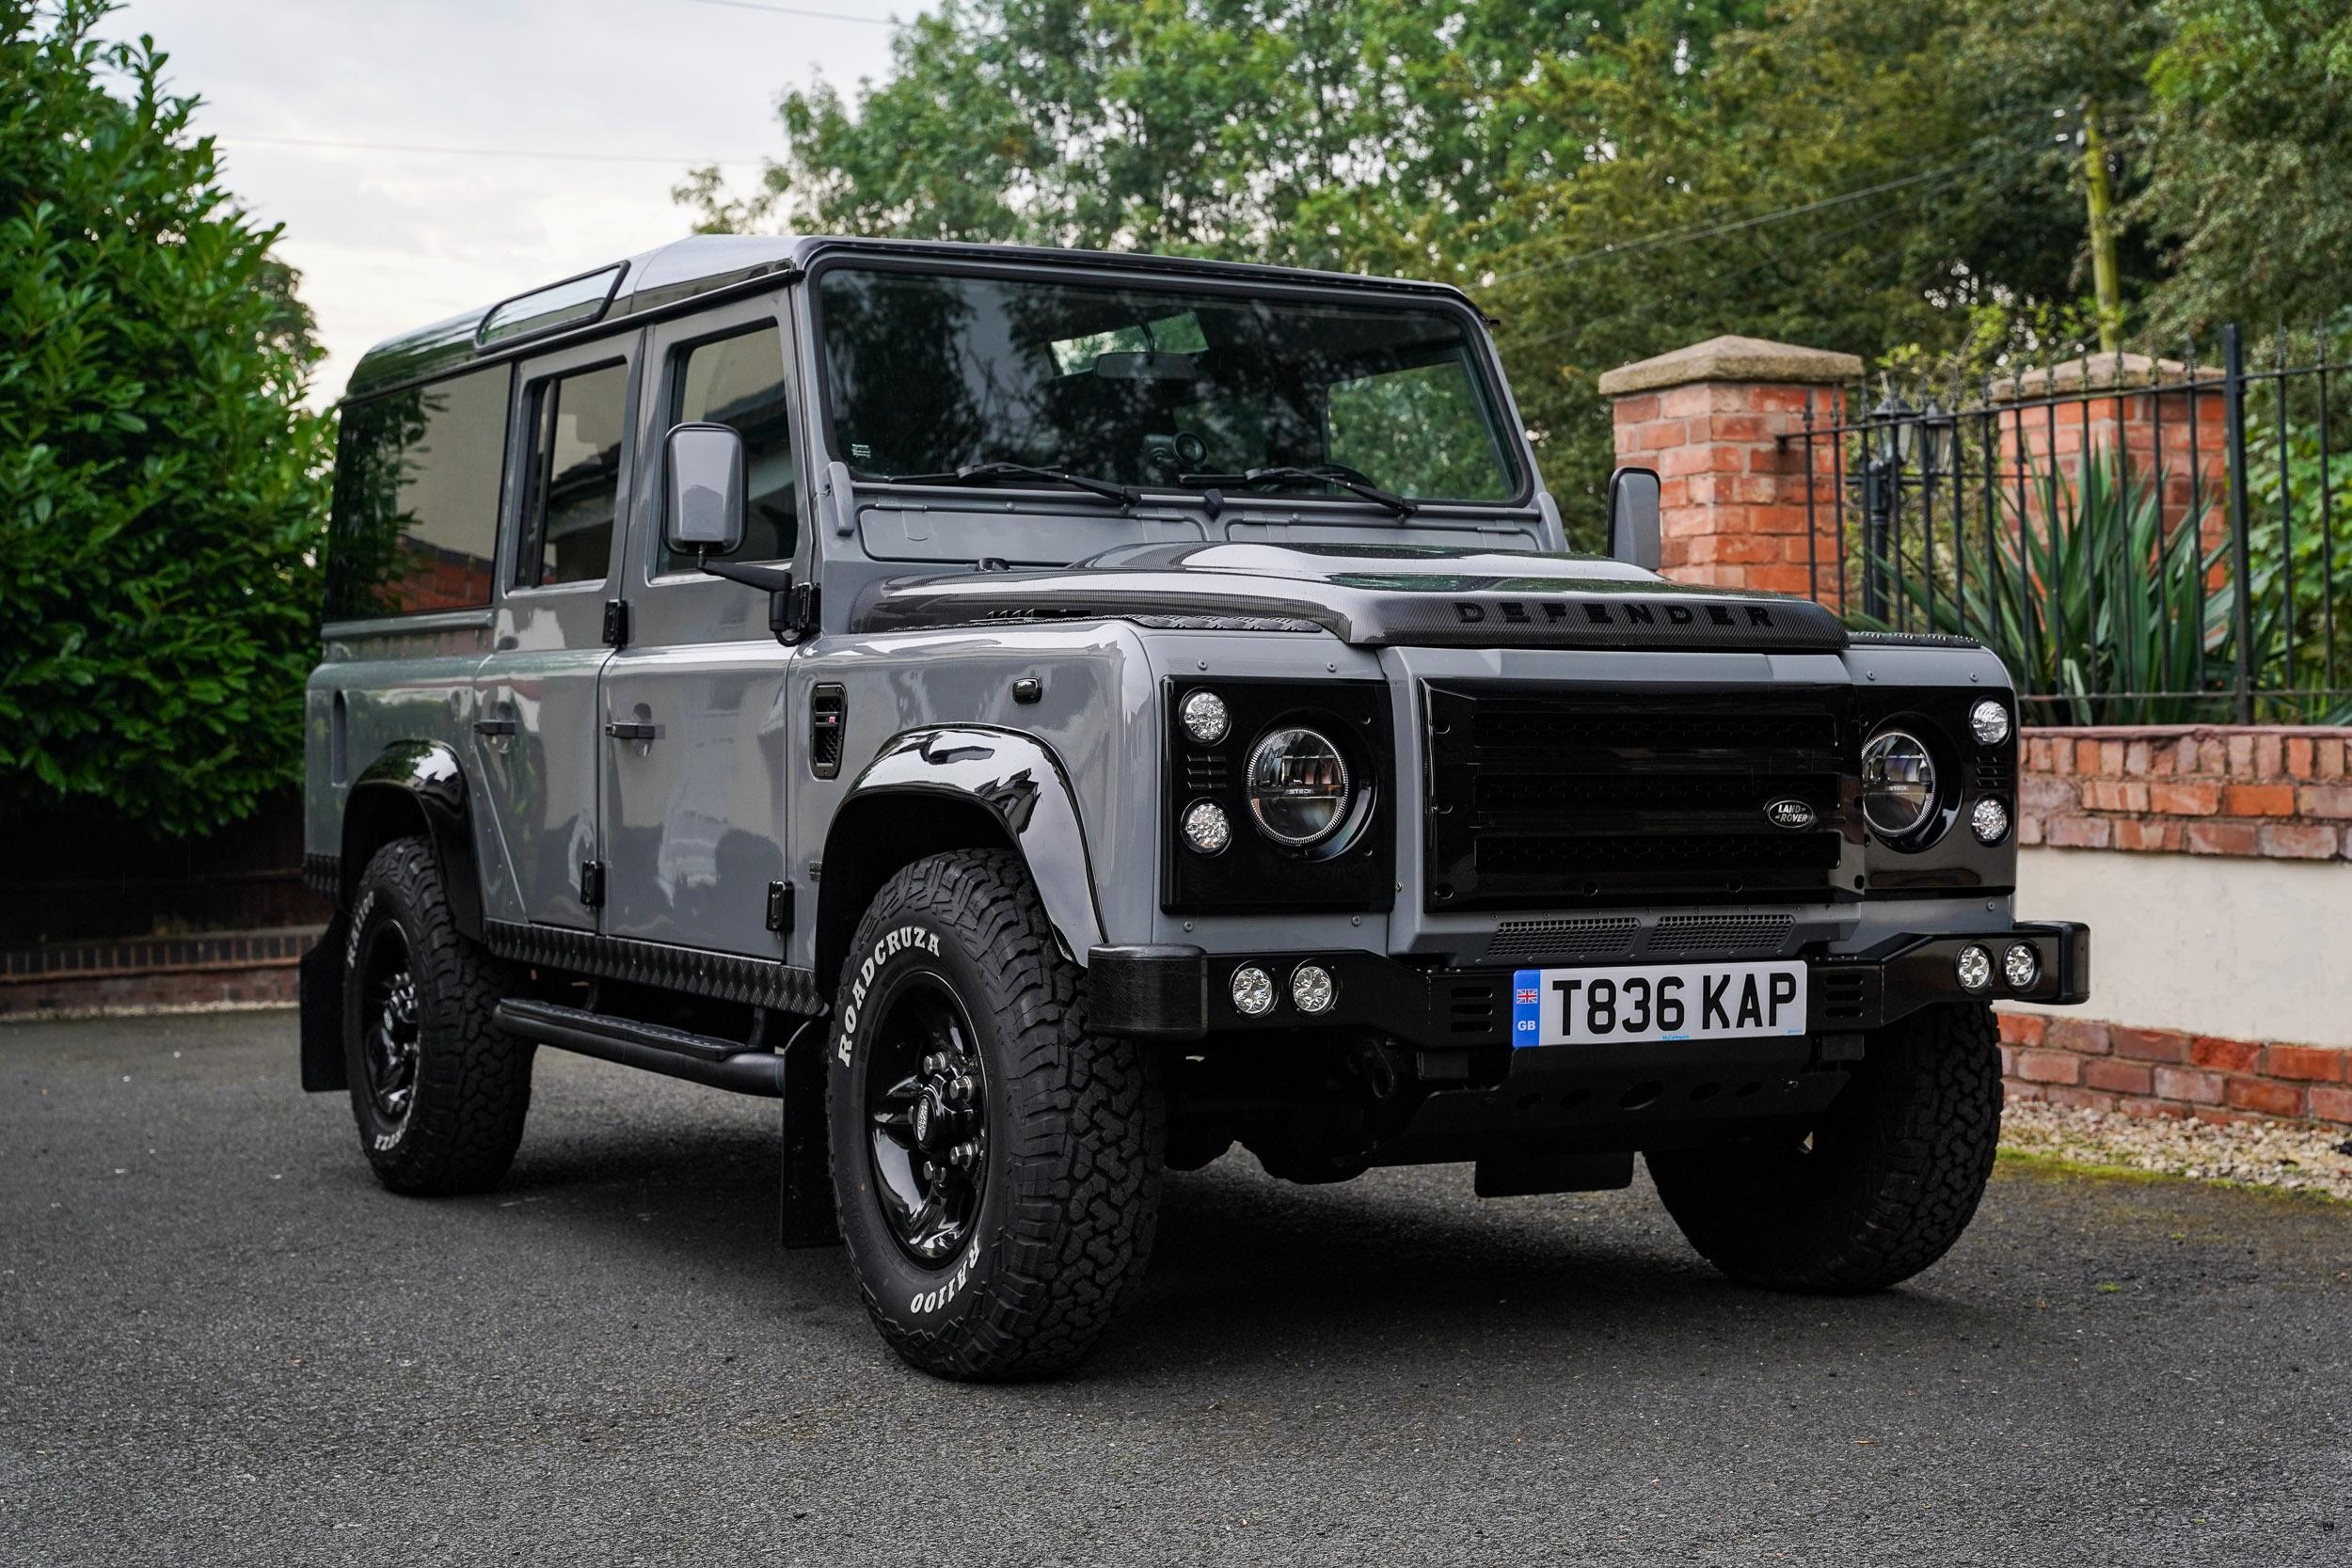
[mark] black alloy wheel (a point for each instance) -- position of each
(388, 1013)
(926, 1096)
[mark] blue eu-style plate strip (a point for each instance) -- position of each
(1526, 1006)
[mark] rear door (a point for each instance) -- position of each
(694, 784)
(538, 725)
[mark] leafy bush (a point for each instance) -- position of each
(161, 485)
(2288, 503)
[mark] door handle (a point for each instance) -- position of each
(494, 726)
(621, 730)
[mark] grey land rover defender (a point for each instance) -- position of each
(1046, 717)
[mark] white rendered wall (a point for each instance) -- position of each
(2210, 944)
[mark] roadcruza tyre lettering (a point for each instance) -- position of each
(451, 1122)
(1042, 1231)
(1898, 1164)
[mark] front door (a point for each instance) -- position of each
(537, 721)
(694, 802)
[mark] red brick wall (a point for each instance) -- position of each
(2270, 791)
(2163, 1072)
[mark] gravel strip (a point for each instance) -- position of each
(2266, 1154)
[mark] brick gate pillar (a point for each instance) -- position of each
(1710, 419)
(2140, 414)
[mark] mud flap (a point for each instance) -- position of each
(805, 1215)
(320, 990)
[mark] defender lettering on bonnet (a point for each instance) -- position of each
(1132, 707)
(1629, 612)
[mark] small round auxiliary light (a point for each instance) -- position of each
(1207, 719)
(1312, 988)
(1253, 991)
(1207, 829)
(1989, 721)
(1974, 967)
(1989, 820)
(2020, 967)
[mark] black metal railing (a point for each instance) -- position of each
(2143, 540)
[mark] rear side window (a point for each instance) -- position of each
(574, 477)
(739, 381)
(415, 523)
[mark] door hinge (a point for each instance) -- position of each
(616, 622)
(780, 906)
(592, 883)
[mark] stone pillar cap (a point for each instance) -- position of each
(2096, 372)
(1732, 358)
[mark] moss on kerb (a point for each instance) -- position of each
(1734, 358)
(2025, 1163)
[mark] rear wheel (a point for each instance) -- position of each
(1882, 1186)
(438, 1090)
(996, 1168)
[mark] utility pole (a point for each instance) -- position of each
(2104, 275)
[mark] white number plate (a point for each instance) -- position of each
(1656, 1002)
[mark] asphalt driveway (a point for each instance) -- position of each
(220, 1342)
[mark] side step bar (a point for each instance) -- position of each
(699, 1058)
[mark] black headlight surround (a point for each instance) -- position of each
(1354, 868)
(1943, 856)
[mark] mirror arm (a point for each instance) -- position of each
(788, 616)
(775, 580)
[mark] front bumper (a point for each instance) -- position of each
(1181, 993)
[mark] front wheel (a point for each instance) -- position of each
(995, 1167)
(1881, 1188)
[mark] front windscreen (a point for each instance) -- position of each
(927, 374)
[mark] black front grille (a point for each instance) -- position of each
(1568, 798)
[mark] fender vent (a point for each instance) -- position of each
(828, 707)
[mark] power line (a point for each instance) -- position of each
(683, 161)
(798, 10)
(1678, 236)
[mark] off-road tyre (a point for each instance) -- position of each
(469, 1082)
(1892, 1175)
(1070, 1128)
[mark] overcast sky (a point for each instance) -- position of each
(386, 240)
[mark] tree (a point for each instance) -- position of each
(2253, 190)
(162, 491)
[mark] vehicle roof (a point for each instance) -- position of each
(704, 264)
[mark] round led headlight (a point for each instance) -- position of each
(1989, 721)
(1974, 967)
(1298, 787)
(1207, 718)
(1898, 782)
(1989, 820)
(1312, 988)
(2020, 967)
(1253, 990)
(1207, 829)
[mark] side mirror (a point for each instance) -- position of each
(703, 488)
(1633, 518)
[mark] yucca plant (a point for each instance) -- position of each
(2093, 600)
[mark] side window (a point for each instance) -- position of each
(414, 522)
(574, 477)
(739, 381)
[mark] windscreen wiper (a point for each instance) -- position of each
(987, 473)
(1288, 476)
